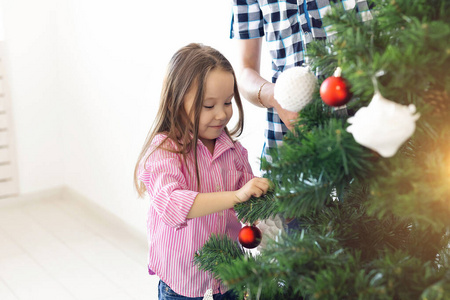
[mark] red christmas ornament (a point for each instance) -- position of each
(250, 236)
(334, 90)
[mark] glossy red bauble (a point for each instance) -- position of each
(335, 91)
(250, 236)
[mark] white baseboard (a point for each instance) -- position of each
(68, 194)
(64, 193)
(53, 193)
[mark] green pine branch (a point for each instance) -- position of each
(257, 209)
(218, 250)
(313, 165)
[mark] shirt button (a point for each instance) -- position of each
(220, 214)
(217, 187)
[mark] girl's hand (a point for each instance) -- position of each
(256, 187)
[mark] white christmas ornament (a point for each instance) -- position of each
(208, 295)
(383, 125)
(272, 229)
(294, 88)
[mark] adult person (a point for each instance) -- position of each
(288, 27)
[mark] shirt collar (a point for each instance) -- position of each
(223, 143)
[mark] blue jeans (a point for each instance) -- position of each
(166, 293)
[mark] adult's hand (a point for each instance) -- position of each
(288, 117)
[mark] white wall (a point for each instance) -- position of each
(86, 82)
(32, 69)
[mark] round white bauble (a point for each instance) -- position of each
(383, 125)
(271, 229)
(294, 88)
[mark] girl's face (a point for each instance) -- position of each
(216, 107)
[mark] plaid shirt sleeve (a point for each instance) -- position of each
(247, 20)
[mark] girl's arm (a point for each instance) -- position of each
(172, 199)
(209, 203)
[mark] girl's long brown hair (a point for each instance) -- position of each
(190, 65)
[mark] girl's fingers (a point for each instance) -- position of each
(257, 187)
(263, 185)
(259, 191)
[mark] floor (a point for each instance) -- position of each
(53, 248)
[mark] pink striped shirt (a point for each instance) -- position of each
(174, 239)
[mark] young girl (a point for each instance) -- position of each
(193, 171)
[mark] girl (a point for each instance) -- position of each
(193, 171)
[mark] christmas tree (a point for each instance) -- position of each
(374, 206)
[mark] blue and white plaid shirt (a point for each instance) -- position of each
(289, 26)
